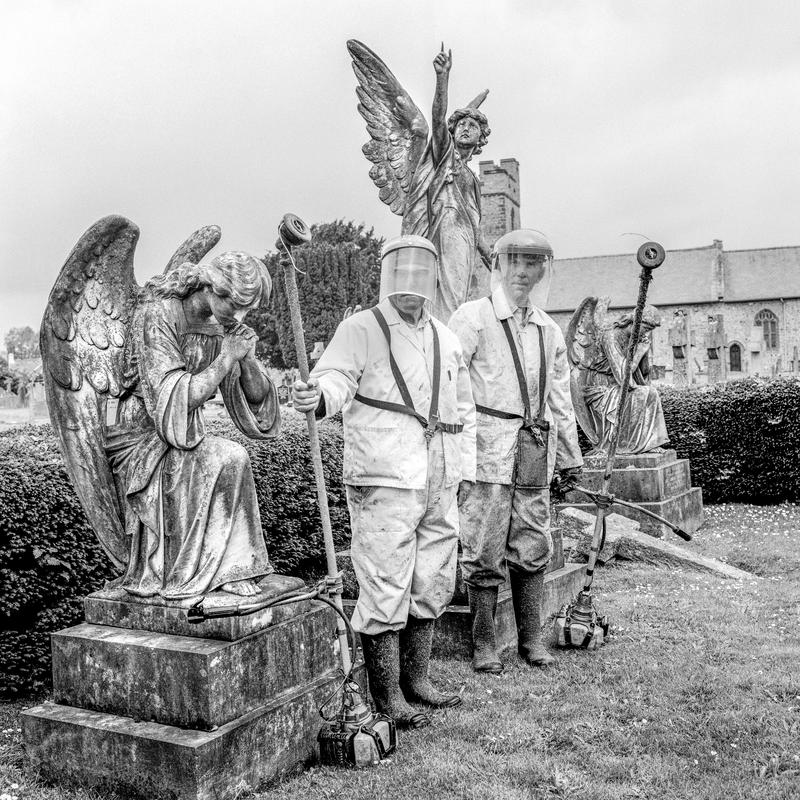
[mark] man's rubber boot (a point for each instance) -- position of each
(527, 591)
(483, 607)
(416, 640)
(382, 659)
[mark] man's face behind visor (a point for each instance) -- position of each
(409, 270)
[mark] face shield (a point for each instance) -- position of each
(408, 268)
(524, 271)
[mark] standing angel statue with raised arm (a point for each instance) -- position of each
(173, 507)
(427, 181)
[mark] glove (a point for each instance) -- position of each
(565, 481)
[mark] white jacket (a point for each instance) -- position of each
(495, 384)
(387, 448)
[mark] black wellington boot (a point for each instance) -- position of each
(527, 590)
(482, 607)
(415, 654)
(382, 658)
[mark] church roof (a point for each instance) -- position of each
(687, 276)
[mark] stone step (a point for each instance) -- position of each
(185, 681)
(117, 608)
(638, 484)
(685, 509)
(153, 761)
(453, 637)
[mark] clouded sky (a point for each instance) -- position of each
(679, 119)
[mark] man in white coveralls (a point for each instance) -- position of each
(518, 365)
(409, 439)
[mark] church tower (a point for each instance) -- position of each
(499, 210)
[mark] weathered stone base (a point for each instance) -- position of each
(659, 482)
(453, 638)
(149, 760)
(142, 708)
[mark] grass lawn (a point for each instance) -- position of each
(697, 695)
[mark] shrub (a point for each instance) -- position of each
(50, 558)
(742, 438)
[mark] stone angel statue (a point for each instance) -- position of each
(597, 348)
(174, 507)
(426, 180)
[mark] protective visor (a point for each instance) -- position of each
(533, 269)
(409, 270)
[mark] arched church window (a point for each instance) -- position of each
(735, 356)
(769, 326)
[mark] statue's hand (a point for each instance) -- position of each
(238, 344)
(443, 62)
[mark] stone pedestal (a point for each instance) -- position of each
(146, 704)
(660, 482)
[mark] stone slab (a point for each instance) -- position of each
(638, 460)
(685, 509)
(636, 546)
(453, 637)
(148, 760)
(189, 682)
(117, 608)
(640, 484)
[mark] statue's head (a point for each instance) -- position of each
(469, 128)
(234, 282)
(651, 318)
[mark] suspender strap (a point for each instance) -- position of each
(432, 424)
(528, 421)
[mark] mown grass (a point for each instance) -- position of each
(696, 695)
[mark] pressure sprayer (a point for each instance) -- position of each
(354, 736)
(580, 623)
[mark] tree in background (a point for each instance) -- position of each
(22, 342)
(342, 268)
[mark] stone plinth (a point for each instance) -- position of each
(453, 637)
(660, 482)
(142, 707)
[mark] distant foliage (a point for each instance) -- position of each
(50, 559)
(742, 438)
(22, 342)
(342, 268)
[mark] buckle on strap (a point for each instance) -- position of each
(431, 427)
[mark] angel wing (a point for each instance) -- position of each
(583, 347)
(196, 247)
(82, 340)
(398, 131)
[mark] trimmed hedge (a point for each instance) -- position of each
(50, 558)
(742, 438)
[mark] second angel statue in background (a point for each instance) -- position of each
(427, 180)
(597, 348)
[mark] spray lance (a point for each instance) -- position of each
(354, 736)
(580, 623)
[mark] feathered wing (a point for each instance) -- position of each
(82, 340)
(583, 341)
(398, 131)
(196, 247)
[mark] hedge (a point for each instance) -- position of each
(742, 438)
(50, 559)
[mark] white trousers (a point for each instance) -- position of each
(404, 549)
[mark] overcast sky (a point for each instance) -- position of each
(678, 119)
